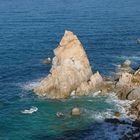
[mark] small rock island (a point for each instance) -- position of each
(71, 74)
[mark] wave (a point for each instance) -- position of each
(132, 58)
(30, 85)
(121, 105)
(30, 111)
(117, 106)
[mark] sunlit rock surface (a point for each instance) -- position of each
(70, 68)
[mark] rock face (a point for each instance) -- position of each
(70, 69)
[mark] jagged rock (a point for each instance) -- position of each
(70, 68)
(93, 85)
(75, 112)
(95, 80)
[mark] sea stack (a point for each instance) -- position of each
(70, 68)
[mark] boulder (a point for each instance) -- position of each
(70, 68)
(75, 112)
(134, 94)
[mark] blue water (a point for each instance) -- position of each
(29, 31)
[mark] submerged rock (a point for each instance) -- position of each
(117, 114)
(70, 68)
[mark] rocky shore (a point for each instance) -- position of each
(71, 74)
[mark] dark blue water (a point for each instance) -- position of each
(30, 30)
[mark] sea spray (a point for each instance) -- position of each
(30, 111)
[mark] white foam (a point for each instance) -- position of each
(72, 93)
(96, 93)
(100, 116)
(134, 58)
(30, 85)
(121, 105)
(30, 111)
(118, 106)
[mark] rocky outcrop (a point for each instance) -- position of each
(128, 88)
(128, 85)
(125, 67)
(70, 72)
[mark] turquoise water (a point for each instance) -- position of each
(29, 31)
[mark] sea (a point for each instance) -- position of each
(29, 31)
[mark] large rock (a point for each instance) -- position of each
(70, 68)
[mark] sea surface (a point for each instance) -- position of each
(29, 31)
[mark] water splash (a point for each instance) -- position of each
(30, 111)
